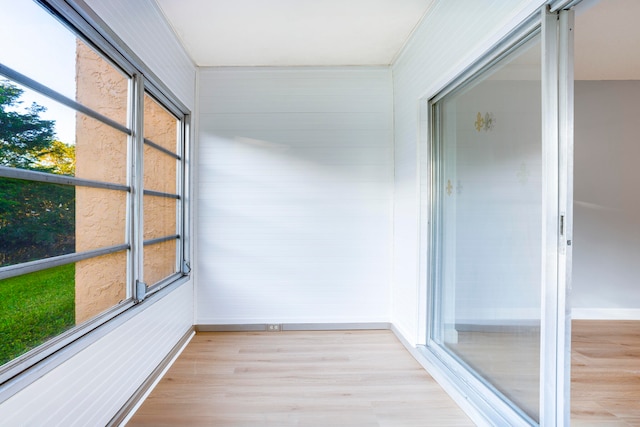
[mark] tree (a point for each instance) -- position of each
(37, 220)
(22, 134)
(58, 158)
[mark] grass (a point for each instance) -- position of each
(35, 307)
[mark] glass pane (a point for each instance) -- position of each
(491, 226)
(41, 220)
(160, 174)
(100, 86)
(35, 307)
(159, 217)
(160, 126)
(61, 61)
(159, 171)
(101, 151)
(40, 134)
(159, 261)
(101, 283)
(100, 218)
(37, 220)
(38, 306)
(35, 132)
(24, 24)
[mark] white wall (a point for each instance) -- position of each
(606, 252)
(295, 192)
(450, 37)
(142, 26)
(90, 387)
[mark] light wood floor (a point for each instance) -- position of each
(343, 378)
(605, 373)
(366, 378)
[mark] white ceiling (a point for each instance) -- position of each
(293, 32)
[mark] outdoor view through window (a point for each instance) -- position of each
(66, 167)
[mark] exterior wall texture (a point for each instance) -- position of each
(101, 154)
(160, 174)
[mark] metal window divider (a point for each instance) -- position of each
(137, 194)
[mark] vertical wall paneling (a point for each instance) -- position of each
(295, 205)
(449, 38)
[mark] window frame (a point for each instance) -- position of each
(180, 265)
(554, 22)
(85, 24)
(482, 395)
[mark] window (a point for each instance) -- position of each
(498, 249)
(91, 182)
(489, 190)
(161, 198)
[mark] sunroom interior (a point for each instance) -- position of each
(268, 166)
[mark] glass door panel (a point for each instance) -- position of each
(489, 245)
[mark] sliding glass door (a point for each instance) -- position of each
(497, 224)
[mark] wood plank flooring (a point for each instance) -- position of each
(605, 373)
(337, 378)
(366, 378)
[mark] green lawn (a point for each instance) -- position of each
(35, 307)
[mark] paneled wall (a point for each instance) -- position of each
(450, 37)
(295, 195)
(142, 26)
(90, 387)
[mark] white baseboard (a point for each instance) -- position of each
(605, 313)
(257, 327)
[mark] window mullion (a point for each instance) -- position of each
(137, 185)
(181, 214)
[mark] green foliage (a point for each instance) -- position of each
(58, 158)
(37, 220)
(22, 134)
(35, 307)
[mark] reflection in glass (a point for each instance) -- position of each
(490, 188)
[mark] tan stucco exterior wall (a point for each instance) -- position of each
(159, 175)
(101, 154)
